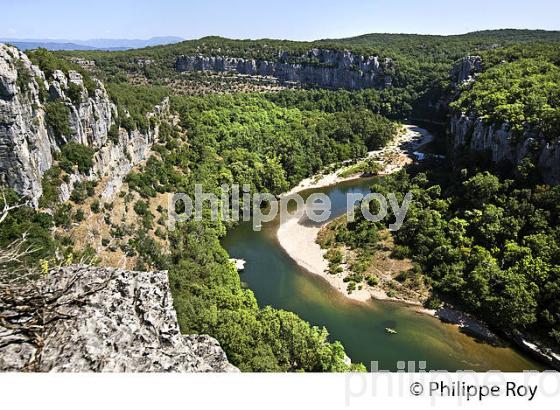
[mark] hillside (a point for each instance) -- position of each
(412, 71)
(97, 141)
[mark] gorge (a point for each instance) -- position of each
(318, 67)
(90, 152)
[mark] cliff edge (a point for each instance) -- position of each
(103, 320)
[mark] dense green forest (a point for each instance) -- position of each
(420, 72)
(520, 86)
(485, 238)
(490, 245)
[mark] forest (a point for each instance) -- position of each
(520, 87)
(420, 72)
(487, 244)
(483, 237)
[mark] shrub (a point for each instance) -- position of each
(113, 134)
(57, 114)
(372, 280)
(79, 215)
(433, 302)
(50, 183)
(354, 277)
(95, 206)
(74, 92)
(63, 216)
(82, 190)
(74, 153)
(141, 208)
(23, 76)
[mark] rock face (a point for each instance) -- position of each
(28, 144)
(500, 143)
(320, 67)
(111, 321)
(498, 140)
(466, 69)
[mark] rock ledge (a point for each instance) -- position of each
(110, 321)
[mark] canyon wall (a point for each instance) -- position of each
(29, 145)
(319, 67)
(81, 318)
(497, 140)
(105, 320)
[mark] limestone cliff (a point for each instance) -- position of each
(28, 145)
(469, 131)
(320, 67)
(103, 320)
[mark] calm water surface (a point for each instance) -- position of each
(278, 281)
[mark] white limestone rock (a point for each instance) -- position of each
(127, 324)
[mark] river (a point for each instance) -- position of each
(279, 282)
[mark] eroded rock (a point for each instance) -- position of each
(110, 320)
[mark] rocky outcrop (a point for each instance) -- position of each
(25, 144)
(465, 70)
(28, 144)
(498, 140)
(320, 67)
(108, 320)
(502, 145)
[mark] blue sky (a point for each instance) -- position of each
(290, 19)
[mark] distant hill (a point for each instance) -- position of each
(90, 45)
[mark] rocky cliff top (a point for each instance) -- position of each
(98, 319)
(334, 69)
(465, 70)
(29, 143)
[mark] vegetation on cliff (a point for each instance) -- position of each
(489, 245)
(420, 69)
(519, 87)
(245, 139)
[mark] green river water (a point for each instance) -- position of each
(278, 281)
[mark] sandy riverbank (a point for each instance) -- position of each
(299, 240)
(394, 156)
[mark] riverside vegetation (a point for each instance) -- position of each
(481, 235)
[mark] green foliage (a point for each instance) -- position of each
(270, 147)
(57, 116)
(74, 92)
(79, 216)
(82, 190)
(420, 63)
(36, 226)
(95, 206)
(113, 134)
(369, 167)
(490, 245)
(141, 208)
(76, 154)
(372, 280)
(24, 76)
(49, 62)
(52, 179)
(522, 93)
(134, 102)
